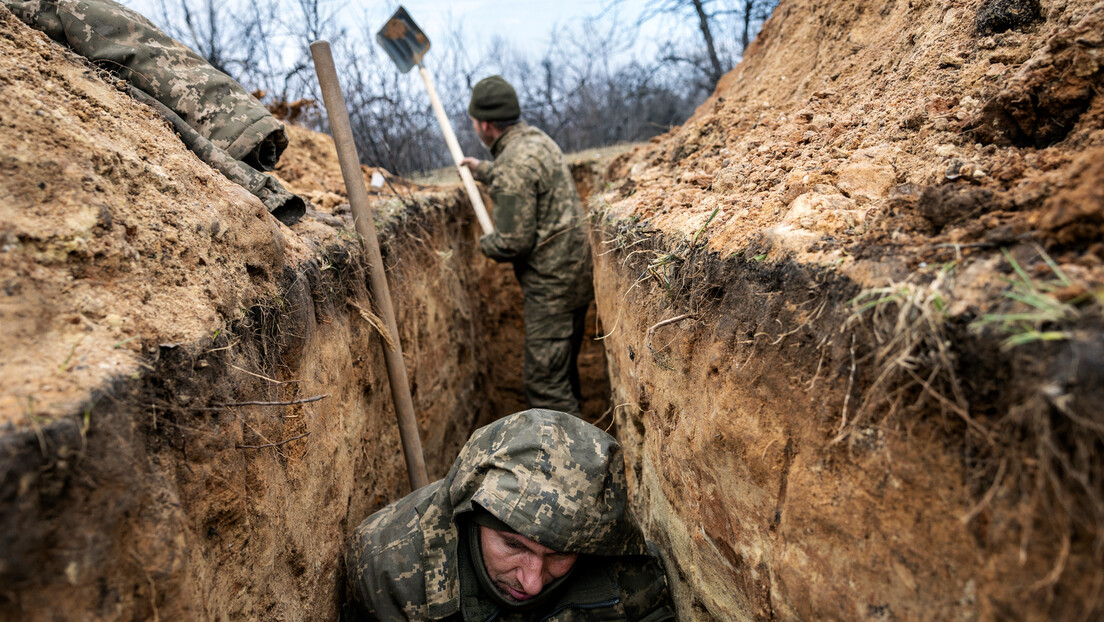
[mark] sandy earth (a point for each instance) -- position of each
(784, 467)
(107, 251)
(890, 147)
(896, 134)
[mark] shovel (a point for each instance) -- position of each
(406, 44)
(366, 227)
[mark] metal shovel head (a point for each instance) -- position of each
(405, 43)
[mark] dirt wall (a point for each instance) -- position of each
(732, 388)
(160, 497)
(822, 296)
(148, 304)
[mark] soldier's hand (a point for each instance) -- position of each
(469, 162)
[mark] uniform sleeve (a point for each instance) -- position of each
(644, 589)
(514, 190)
(385, 576)
(482, 173)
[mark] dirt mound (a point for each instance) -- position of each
(857, 131)
(878, 245)
(106, 251)
(310, 168)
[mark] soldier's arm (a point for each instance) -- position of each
(481, 169)
(514, 191)
(385, 578)
(644, 588)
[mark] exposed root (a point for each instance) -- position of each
(988, 498)
(280, 444)
(272, 380)
(376, 323)
(305, 400)
(1043, 455)
(909, 323)
(840, 435)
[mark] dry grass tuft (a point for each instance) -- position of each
(914, 365)
(1040, 456)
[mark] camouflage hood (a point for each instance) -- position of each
(552, 477)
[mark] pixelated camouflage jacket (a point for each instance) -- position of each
(552, 477)
(218, 120)
(539, 220)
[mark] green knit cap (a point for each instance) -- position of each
(493, 99)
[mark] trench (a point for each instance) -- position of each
(172, 494)
(197, 415)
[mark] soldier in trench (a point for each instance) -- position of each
(540, 229)
(531, 523)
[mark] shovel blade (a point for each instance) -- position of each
(403, 41)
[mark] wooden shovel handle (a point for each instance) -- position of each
(457, 155)
(366, 227)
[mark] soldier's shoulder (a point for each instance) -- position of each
(532, 151)
(385, 559)
(536, 140)
(394, 528)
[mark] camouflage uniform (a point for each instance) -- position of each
(226, 126)
(551, 477)
(539, 226)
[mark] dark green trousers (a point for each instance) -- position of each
(552, 343)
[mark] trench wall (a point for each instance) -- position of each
(161, 499)
(731, 377)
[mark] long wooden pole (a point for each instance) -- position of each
(366, 227)
(457, 155)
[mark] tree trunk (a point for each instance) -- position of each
(749, 8)
(703, 23)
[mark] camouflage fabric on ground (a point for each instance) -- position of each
(232, 124)
(288, 208)
(553, 478)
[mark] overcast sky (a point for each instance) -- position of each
(525, 24)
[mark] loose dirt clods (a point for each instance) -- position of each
(851, 313)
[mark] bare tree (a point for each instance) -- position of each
(587, 88)
(752, 15)
(210, 28)
(710, 18)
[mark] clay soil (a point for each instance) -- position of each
(835, 245)
(188, 386)
(850, 321)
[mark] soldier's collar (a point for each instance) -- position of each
(503, 139)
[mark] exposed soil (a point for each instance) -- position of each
(898, 460)
(149, 304)
(110, 246)
(795, 454)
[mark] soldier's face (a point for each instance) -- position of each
(484, 137)
(518, 566)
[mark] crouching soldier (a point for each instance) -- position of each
(531, 523)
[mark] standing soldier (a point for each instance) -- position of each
(539, 228)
